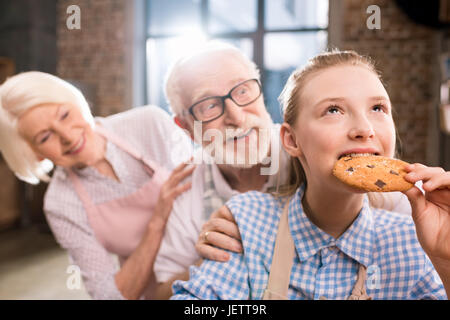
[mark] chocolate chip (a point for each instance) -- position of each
(371, 166)
(393, 172)
(380, 184)
(350, 169)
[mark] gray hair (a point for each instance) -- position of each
(173, 86)
(20, 93)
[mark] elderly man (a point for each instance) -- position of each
(216, 97)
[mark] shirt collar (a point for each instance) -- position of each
(355, 242)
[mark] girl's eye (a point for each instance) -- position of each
(378, 108)
(333, 110)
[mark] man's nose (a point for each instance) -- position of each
(234, 114)
(361, 129)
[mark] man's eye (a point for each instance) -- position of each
(208, 107)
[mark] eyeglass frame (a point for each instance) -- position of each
(223, 98)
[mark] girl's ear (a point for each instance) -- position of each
(289, 140)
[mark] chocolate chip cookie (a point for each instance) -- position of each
(372, 173)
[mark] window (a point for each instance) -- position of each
(279, 35)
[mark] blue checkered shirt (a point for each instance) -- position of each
(383, 241)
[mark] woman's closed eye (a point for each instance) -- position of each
(44, 137)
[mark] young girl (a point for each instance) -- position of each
(323, 240)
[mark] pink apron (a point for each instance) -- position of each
(120, 224)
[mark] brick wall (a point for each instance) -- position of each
(445, 138)
(407, 56)
(28, 39)
(10, 210)
(95, 54)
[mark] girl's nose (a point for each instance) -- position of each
(362, 130)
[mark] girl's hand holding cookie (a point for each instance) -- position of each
(431, 211)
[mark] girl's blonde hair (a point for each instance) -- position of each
(20, 93)
(290, 99)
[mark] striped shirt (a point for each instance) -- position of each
(152, 132)
(383, 241)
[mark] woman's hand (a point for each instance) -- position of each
(431, 212)
(220, 231)
(170, 190)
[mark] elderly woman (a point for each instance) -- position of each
(109, 194)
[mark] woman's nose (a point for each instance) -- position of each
(64, 134)
(65, 140)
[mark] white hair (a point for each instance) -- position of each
(173, 85)
(20, 93)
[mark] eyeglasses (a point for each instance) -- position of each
(212, 108)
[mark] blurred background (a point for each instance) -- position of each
(120, 54)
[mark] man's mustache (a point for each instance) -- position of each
(233, 132)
